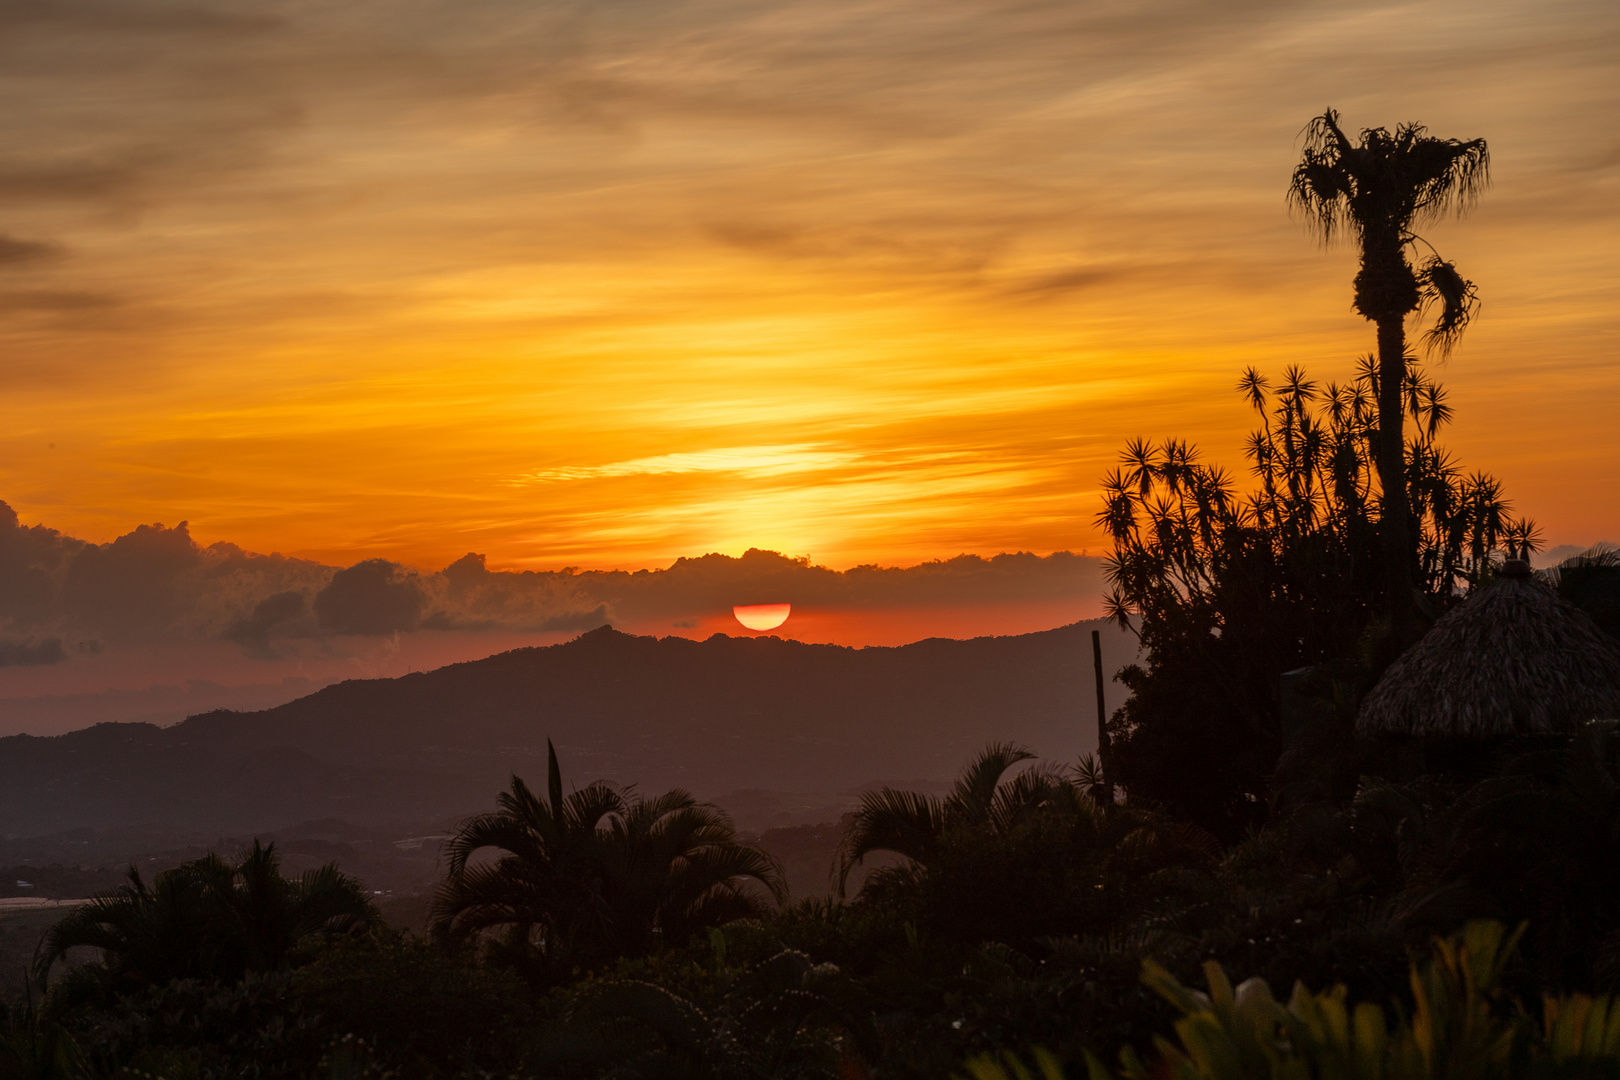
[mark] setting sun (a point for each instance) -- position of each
(762, 616)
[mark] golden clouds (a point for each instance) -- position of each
(608, 283)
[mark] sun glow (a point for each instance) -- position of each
(867, 299)
(762, 616)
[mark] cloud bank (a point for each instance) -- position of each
(156, 583)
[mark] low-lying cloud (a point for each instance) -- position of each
(156, 583)
(31, 654)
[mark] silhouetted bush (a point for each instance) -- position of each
(1228, 591)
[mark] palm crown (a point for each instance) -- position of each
(910, 823)
(1379, 188)
(208, 919)
(598, 873)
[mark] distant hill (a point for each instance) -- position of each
(714, 716)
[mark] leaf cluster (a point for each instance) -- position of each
(1461, 1026)
(599, 873)
(207, 919)
(1228, 590)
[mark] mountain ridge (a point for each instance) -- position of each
(711, 716)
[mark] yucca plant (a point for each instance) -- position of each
(1226, 589)
(1378, 188)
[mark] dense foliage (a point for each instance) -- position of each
(595, 875)
(1025, 926)
(1228, 591)
(1460, 1026)
(205, 919)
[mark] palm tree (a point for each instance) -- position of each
(1379, 189)
(910, 823)
(674, 867)
(208, 919)
(596, 874)
(546, 890)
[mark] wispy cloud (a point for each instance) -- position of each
(747, 461)
(615, 282)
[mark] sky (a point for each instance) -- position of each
(607, 285)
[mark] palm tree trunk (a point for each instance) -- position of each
(1386, 291)
(1395, 519)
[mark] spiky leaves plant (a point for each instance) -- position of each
(598, 873)
(1226, 590)
(1378, 189)
(544, 892)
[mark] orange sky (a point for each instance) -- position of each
(603, 284)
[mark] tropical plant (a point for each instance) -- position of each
(1015, 860)
(784, 1017)
(1461, 1027)
(910, 823)
(1538, 841)
(207, 919)
(1379, 189)
(597, 874)
(1591, 581)
(1227, 591)
(33, 1047)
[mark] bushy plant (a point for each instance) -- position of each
(601, 873)
(1227, 592)
(208, 920)
(1461, 1026)
(780, 1018)
(255, 1028)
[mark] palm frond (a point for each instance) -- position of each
(975, 791)
(1455, 298)
(907, 823)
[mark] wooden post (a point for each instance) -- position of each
(1102, 717)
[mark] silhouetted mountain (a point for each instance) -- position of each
(712, 716)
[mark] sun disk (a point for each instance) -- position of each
(762, 616)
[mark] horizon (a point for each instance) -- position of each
(182, 628)
(155, 626)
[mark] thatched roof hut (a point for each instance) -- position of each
(1513, 659)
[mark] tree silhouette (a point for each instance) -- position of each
(1379, 189)
(1228, 591)
(596, 874)
(910, 823)
(207, 919)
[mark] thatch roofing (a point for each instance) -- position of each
(1513, 659)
